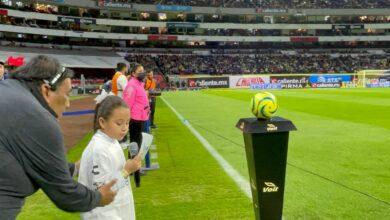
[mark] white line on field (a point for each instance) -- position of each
(153, 156)
(241, 182)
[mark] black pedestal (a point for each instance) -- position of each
(266, 144)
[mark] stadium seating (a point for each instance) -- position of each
(270, 3)
(262, 63)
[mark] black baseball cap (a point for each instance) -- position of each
(2, 62)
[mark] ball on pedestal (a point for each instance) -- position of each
(264, 105)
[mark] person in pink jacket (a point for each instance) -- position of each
(136, 98)
(135, 95)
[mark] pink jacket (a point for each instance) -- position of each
(135, 97)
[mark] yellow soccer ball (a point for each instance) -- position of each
(264, 105)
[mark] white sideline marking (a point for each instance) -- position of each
(241, 182)
(153, 156)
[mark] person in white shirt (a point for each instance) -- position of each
(119, 80)
(103, 160)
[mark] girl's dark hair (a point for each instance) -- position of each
(105, 109)
(134, 67)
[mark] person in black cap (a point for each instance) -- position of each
(32, 154)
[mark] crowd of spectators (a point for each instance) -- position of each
(210, 18)
(264, 63)
(278, 4)
(147, 61)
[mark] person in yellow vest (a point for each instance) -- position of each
(150, 86)
(119, 81)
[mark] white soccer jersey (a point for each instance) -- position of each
(121, 82)
(102, 160)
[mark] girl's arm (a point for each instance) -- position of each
(131, 166)
(103, 170)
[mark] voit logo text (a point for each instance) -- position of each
(270, 187)
(271, 127)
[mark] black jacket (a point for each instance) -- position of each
(32, 154)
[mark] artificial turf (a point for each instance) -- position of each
(338, 160)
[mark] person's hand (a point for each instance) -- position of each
(77, 164)
(133, 165)
(108, 195)
(76, 168)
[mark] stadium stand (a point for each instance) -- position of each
(241, 37)
(269, 3)
(219, 64)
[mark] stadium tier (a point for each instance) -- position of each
(96, 24)
(202, 37)
(228, 64)
(269, 3)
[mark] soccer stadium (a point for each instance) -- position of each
(186, 109)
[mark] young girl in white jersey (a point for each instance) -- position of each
(103, 160)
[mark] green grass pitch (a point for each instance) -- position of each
(338, 160)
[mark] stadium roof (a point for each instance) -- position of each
(73, 59)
